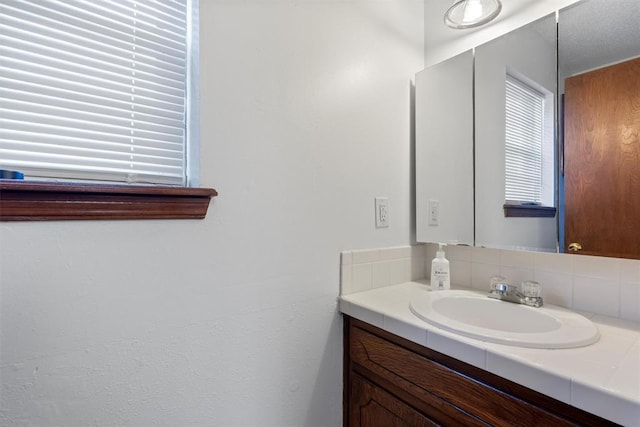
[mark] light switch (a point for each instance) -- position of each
(434, 212)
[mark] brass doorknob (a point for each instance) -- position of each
(575, 247)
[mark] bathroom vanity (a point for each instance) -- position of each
(391, 381)
(400, 370)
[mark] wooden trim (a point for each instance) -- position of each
(533, 211)
(346, 371)
(52, 201)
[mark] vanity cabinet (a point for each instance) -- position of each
(390, 381)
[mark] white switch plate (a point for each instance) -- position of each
(382, 212)
(434, 212)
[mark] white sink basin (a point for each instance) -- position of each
(475, 315)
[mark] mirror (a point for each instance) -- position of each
(600, 133)
(591, 34)
(444, 152)
(528, 56)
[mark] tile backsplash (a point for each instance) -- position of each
(608, 286)
(362, 270)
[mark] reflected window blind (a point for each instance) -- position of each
(524, 137)
(94, 90)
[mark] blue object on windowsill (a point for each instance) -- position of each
(7, 174)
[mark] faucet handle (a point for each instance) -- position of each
(495, 281)
(531, 289)
(503, 288)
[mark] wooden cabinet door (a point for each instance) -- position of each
(371, 406)
(602, 161)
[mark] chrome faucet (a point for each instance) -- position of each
(530, 295)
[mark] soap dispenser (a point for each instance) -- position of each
(440, 278)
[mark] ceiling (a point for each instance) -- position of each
(598, 32)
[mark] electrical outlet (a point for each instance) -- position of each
(434, 212)
(382, 212)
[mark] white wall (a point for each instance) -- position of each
(230, 320)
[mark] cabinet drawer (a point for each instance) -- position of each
(407, 369)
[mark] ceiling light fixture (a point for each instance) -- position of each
(471, 13)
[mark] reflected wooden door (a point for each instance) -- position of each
(602, 161)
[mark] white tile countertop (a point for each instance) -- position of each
(602, 378)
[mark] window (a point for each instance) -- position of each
(528, 144)
(100, 92)
(95, 91)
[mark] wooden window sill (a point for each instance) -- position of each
(52, 201)
(529, 211)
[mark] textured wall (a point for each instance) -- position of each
(231, 320)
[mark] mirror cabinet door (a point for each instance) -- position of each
(517, 171)
(599, 76)
(444, 151)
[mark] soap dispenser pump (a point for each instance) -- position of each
(440, 278)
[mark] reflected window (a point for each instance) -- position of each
(529, 143)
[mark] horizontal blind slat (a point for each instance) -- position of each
(29, 102)
(84, 20)
(69, 156)
(94, 140)
(45, 98)
(60, 74)
(109, 69)
(29, 86)
(57, 127)
(91, 46)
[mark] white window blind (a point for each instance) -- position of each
(94, 89)
(524, 134)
